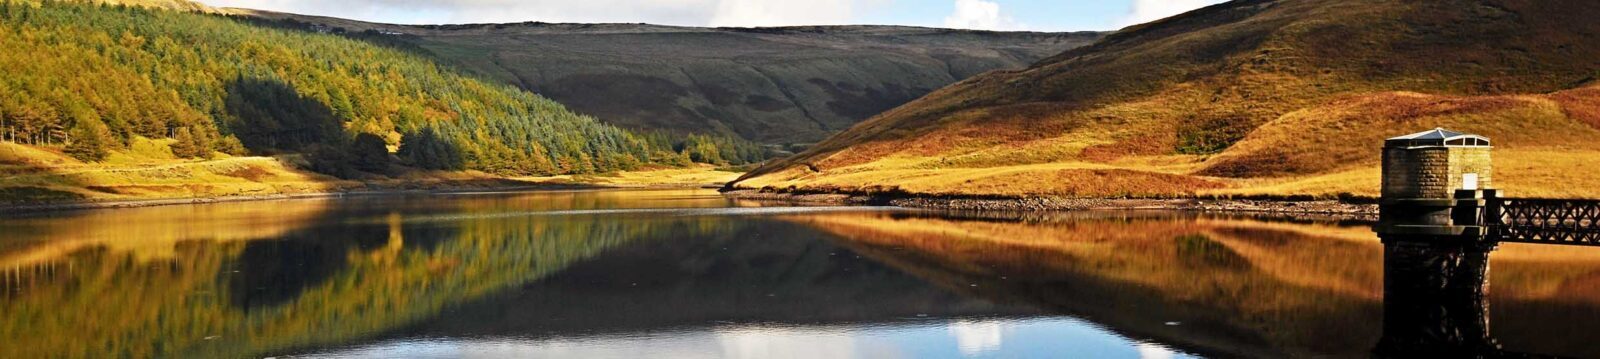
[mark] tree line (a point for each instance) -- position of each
(88, 78)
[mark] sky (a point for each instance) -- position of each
(1011, 15)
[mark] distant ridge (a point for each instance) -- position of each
(777, 85)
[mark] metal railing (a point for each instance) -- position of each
(1546, 221)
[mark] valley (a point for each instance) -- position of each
(785, 85)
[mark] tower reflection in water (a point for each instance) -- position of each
(1435, 301)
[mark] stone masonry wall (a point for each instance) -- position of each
(1433, 172)
(1464, 160)
(1416, 173)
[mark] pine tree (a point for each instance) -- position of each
(91, 141)
(370, 153)
(187, 145)
(427, 149)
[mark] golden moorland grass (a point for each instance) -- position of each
(699, 175)
(1257, 98)
(1301, 156)
(147, 170)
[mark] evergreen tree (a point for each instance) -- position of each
(370, 153)
(90, 141)
(426, 149)
(188, 145)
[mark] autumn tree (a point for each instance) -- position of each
(90, 140)
(187, 145)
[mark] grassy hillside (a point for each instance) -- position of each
(1288, 97)
(89, 79)
(774, 85)
(148, 171)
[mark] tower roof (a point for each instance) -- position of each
(1438, 137)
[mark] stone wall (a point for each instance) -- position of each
(1464, 160)
(1433, 172)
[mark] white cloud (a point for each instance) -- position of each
(1151, 10)
(669, 12)
(979, 15)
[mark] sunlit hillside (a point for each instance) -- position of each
(1284, 97)
(90, 79)
(163, 99)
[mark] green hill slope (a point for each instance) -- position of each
(774, 85)
(92, 78)
(1286, 97)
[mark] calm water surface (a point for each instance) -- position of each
(688, 273)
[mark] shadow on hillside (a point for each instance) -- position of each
(16, 164)
(270, 117)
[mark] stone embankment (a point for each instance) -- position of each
(1324, 207)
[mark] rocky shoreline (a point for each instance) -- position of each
(1314, 207)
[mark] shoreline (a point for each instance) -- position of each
(1039, 204)
(6, 208)
(957, 203)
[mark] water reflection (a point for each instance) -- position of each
(690, 274)
(1216, 285)
(1021, 338)
(205, 281)
(1435, 300)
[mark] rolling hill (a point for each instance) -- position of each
(1249, 97)
(91, 79)
(773, 85)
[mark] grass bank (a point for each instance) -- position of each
(37, 178)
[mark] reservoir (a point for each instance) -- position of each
(688, 273)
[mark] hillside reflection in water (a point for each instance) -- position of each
(688, 273)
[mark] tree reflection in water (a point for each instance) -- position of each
(211, 281)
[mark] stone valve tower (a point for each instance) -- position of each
(1436, 256)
